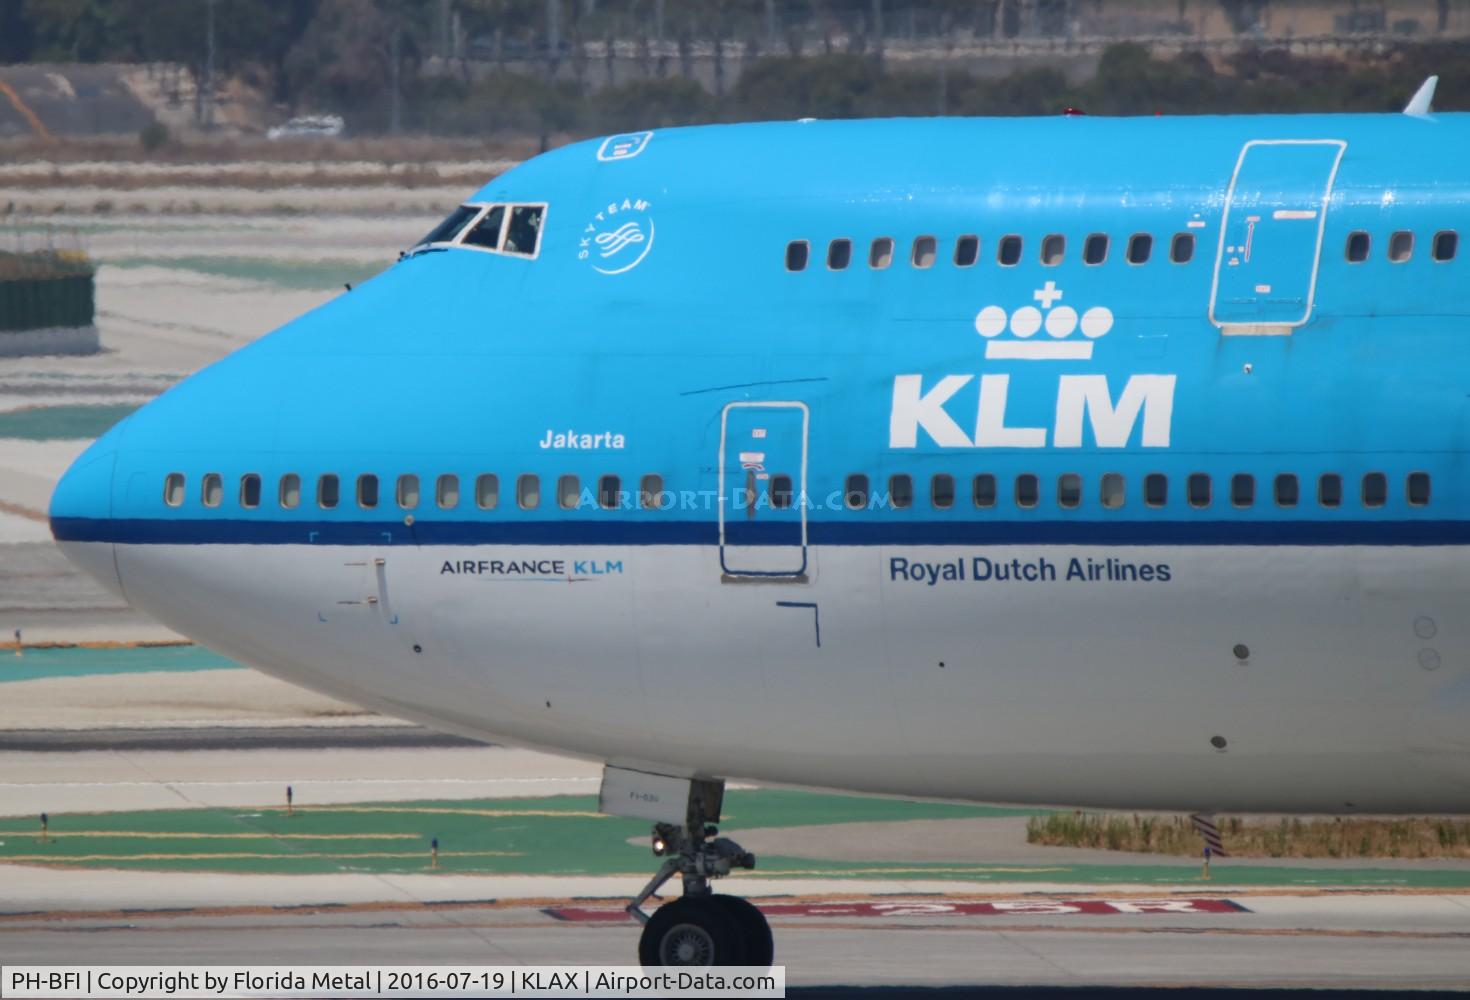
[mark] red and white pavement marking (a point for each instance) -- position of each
(927, 908)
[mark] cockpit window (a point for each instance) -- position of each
(524, 231)
(447, 230)
(486, 232)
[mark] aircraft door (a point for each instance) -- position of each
(763, 510)
(1271, 232)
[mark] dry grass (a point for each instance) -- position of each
(1410, 837)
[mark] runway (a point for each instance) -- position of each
(543, 881)
(1284, 941)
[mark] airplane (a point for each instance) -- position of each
(1109, 463)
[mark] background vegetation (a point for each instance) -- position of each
(1285, 838)
(520, 66)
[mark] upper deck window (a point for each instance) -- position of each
(1008, 251)
(796, 254)
(486, 233)
(1053, 250)
(1446, 242)
(926, 249)
(1357, 247)
(523, 231)
(446, 231)
(1140, 248)
(966, 251)
(1401, 246)
(880, 254)
(839, 254)
(1095, 249)
(1181, 249)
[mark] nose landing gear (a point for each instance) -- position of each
(701, 928)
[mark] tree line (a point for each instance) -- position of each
(477, 67)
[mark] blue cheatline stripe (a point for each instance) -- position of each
(190, 531)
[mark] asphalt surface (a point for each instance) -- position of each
(1342, 942)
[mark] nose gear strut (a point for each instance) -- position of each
(701, 928)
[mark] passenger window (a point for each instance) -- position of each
(1417, 489)
(446, 231)
(1242, 490)
(290, 491)
(528, 492)
(1401, 246)
(1357, 247)
(966, 251)
(1008, 252)
(880, 254)
(1181, 249)
(1069, 490)
(523, 231)
(568, 492)
(1140, 248)
(1112, 492)
(855, 494)
(609, 492)
(926, 249)
(796, 253)
(250, 490)
(1095, 249)
(486, 232)
(446, 492)
(839, 255)
(408, 491)
(367, 490)
(982, 490)
(487, 490)
(651, 492)
(212, 489)
(1155, 489)
(1329, 490)
(941, 491)
(1446, 243)
(901, 491)
(173, 489)
(782, 494)
(1375, 489)
(1028, 490)
(1288, 490)
(1053, 250)
(328, 491)
(1197, 488)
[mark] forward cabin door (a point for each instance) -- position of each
(1271, 234)
(763, 509)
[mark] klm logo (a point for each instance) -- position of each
(1144, 405)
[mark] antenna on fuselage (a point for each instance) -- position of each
(1422, 103)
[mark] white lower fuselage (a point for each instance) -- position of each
(1351, 695)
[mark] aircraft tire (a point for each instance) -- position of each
(760, 949)
(692, 931)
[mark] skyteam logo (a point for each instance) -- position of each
(1081, 409)
(1061, 323)
(623, 147)
(618, 237)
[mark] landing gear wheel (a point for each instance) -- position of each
(760, 949)
(692, 931)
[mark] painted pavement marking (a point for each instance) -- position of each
(924, 908)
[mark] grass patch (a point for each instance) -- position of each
(37, 664)
(62, 423)
(1412, 838)
(302, 275)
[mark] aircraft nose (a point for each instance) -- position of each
(81, 513)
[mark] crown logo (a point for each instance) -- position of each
(1060, 323)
